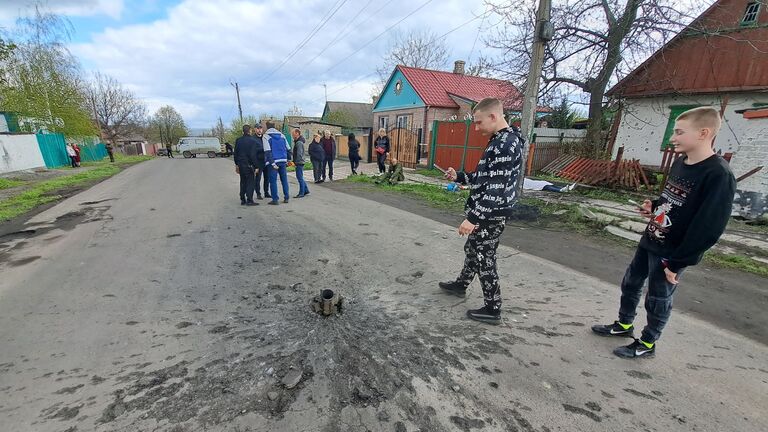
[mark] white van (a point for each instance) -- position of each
(190, 147)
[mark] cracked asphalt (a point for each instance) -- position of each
(155, 302)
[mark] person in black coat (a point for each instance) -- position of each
(261, 159)
(354, 153)
(245, 164)
(316, 156)
(381, 145)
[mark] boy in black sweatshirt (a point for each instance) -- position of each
(685, 221)
(493, 193)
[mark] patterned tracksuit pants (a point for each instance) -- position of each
(480, 259)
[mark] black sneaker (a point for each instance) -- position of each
(251, 204)
(614, 329)
(267, 196)
(259, 197)
(455, 288)
(285, 200)
(485, 315)
(636, 349)
(242, 202)
(274, 203)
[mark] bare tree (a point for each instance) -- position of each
(418, 48)
(116, 109)
(482, 67)
(596, 43)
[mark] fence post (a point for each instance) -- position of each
(531, 151)
(467, 123)
(433, 145)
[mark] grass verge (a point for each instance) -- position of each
(47, 191)
(430, 172)
(9, 183)
(738, 262)
(430, 194)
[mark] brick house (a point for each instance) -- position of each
(413, 98)
(718, 60)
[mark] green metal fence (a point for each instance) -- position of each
(54, 150)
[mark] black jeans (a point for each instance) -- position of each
(317, 169)
(262, 179)
(658, 300)
(328, 168)
(354, 163)
(247, 183)
(381, 159)
(480, 259)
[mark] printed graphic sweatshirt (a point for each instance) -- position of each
(692, 212)
(493, 186)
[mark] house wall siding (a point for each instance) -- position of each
(644, 121)
(391, 100)
(752, 193)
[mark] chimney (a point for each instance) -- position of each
(458, 67)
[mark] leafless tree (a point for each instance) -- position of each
(418, 48)
(116, 109)
(596, 43)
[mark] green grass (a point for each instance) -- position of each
(307, 166)
(738, 262)
(9, 183)
(430, 194)
(46, 191)
(430, 172)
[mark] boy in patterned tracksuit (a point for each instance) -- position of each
(685, 222)
(493, 192)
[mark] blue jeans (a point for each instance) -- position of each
(283, 173)
(303, 189)
(658, 301)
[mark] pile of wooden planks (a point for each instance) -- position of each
(626, 174)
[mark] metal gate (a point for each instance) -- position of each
(404, 145)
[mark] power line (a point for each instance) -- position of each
(433, 41)
(335, 8)
(343, 34)
(379, 35)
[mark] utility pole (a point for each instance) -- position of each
(221, 130)
(239, 107)
(326, 92)
(542, 34)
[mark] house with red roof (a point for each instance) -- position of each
(719, 60)
(413, 98)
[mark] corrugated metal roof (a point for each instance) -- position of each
(713, 54)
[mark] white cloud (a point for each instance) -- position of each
(10, 10)
(189, 56)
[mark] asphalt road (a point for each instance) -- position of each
(153, 301)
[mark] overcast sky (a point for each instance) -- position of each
(185, 52)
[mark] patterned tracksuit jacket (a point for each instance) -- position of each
(493, 193)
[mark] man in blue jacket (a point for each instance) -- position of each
(245, 165)
(277, 155)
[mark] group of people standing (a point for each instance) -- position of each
(322, 153)
(73, 151)
(265, 154)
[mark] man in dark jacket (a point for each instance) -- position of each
(493, 193)
(317, 156)
(262, 161)
(329, 147)
(245, 165)
(298, 159)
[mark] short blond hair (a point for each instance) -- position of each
(703, 117)
(490, 105)
(382, 130)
